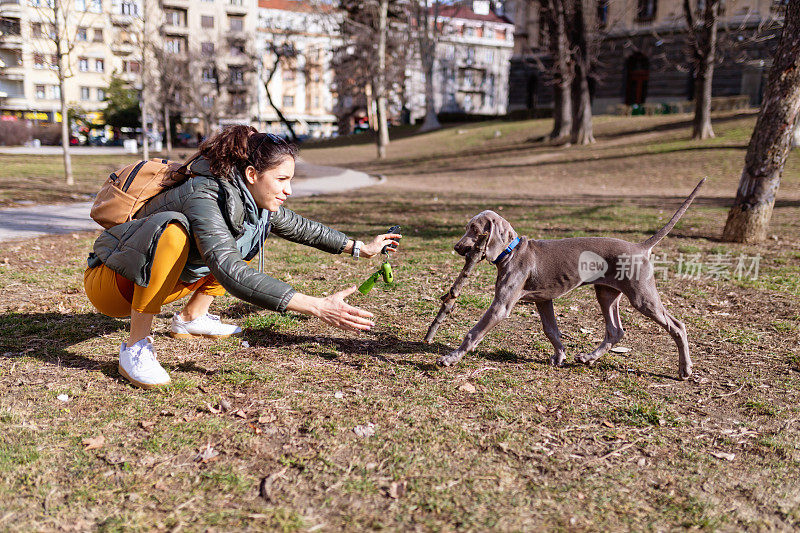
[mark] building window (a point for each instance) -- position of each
(209, 74)
(83, 64)
(174, 44)
(602, 13)
(646, 10)
(85, 93)
(41, 92)
(236, 2)
(207, 48)
(175, 17)
(238, 49)
(99, 65)
(236, 75)
(53, 62)
(289, 74)
(239, 103)
(82, 34)
(96, 6)
(129, 8)
(101, 94)
(130, 66)
(98, 35)
(56, 92)
(236, 23)
(207, 21)
(36, 30)
(288, 100)
(208, 101)
(80, 5)
(38, 61)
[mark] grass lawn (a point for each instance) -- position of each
(306, 428)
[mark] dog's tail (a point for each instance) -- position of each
(650, 243)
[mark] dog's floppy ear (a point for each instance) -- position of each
(500, 235)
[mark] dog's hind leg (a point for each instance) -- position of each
(648, 302)
(550, 327)
(608, 298)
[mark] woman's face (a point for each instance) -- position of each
(272, 187)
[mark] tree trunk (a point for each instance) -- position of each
(282, 118)
(167, 132)
(427, 51)
(383, 126)
(771, 142)
(69, 179)
(144, 101)
(562, 71)
(582, 121)
(703, 46)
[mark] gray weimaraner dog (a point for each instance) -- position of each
(539, 271)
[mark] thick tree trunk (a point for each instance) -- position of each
(553, 11)
(431, 121)
(69, 179)
(426, 39)
(771, 142)
(383, 126)
(582, 124)
(582, 121)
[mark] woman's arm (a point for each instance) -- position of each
(333, 310)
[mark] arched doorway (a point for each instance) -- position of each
(637, 74)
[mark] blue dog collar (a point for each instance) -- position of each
(507, 251)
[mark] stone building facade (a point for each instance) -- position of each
(642, 55)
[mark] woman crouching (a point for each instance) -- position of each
(197, 237)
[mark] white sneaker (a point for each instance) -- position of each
(138, 364)
(207, 325)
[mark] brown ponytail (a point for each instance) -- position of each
(240, 146)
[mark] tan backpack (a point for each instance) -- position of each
(129, 188)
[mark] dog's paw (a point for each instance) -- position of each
(558, 359)
(449, 359)
(685, 373)
(585, 359)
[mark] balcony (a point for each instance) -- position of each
(10, 8)
(120, 19)
(171, 29)
(182, 4)
(236, 7)
(122, 49)
(12, 41)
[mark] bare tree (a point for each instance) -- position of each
(61, 20)
(702, 43)
(771, 141)
(173, 88)
(428, 30)
(380, 85)
(282, 54)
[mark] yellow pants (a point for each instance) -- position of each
(116, 296)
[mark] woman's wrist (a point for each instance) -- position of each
(304, 304)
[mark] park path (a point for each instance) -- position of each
(19, 223)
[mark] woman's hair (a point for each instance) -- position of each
(240, 146)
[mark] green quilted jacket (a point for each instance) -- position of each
(225, 228)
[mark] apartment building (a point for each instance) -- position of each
(212, 38)
(472, 63)
(300, 87)
(641, 54)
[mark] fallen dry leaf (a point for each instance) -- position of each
(206, 454)
(397, 489)
(212, 409)
(144, 424)
(468, 388)
(723, 455)
(93, 443)
(608, 423)
(240, 414)
(620, 349)
(225, 405)
(366, 430)
(257, 430)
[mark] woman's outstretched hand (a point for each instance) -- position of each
(333, 310)
(373, 248)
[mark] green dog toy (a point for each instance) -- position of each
(384, 272)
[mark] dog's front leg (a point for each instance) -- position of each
(548, 317)
(504, 301)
